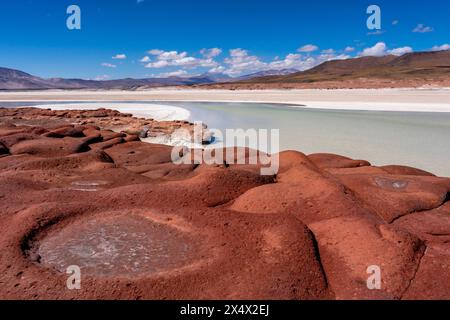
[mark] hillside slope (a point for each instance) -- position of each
(409, 70)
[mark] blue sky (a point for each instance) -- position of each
(248, 35)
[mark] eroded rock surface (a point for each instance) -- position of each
(75, 192)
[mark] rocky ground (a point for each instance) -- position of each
(79, 188)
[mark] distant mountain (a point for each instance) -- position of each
(219, 77)
(408, 66)
(14, 79)
(282, 72)
(11, 79)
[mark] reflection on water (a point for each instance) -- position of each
(420, 140)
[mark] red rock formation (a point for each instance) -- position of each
(141, 227)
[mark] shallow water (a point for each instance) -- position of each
(420, 140)
(415, 139)
(117, 246)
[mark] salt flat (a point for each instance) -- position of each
(418, 100)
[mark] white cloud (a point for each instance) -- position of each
(218, 69)
(241, 62)
(167, 55)
(421, 28)
(238, 53)
(178, 73)
(210, 53)
(158, 64)
(395, 22)
(380, 49)
(308, 48)
(178, 59)
(155, 52)
(296, 61)
(400, 51)
(441, 47)
(377, 50)
(292, 60)
(238, 62)
(108, 65)
(102, 77)
(328, 57)
(120, 57)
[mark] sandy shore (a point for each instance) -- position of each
(420, 100)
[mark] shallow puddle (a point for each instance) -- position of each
(88, 186)
(391, 183)
(127, 246)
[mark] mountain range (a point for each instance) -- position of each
(17, 80)
(11, 79)
(411, 69)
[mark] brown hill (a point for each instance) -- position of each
(409, 70)
(387, 67)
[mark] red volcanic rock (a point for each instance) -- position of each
(393, 196)
(107, 144)
(292, 159)
(9, 162)
(350, 245)
(213, 186)
(10, 129)
(134, 155)
(432, 226)
(406, 171)
(73, 191)
(94, 138)
(356, 170)
(66, 131)
(432, 277)
(84, 162)
(131, 138)
(13, 139)
(304, 192)
(325, 160)
(109, 135)
(168, 171)
(70, 122)
(49, 147)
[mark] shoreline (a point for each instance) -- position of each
(157, 112)
(403, 100)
